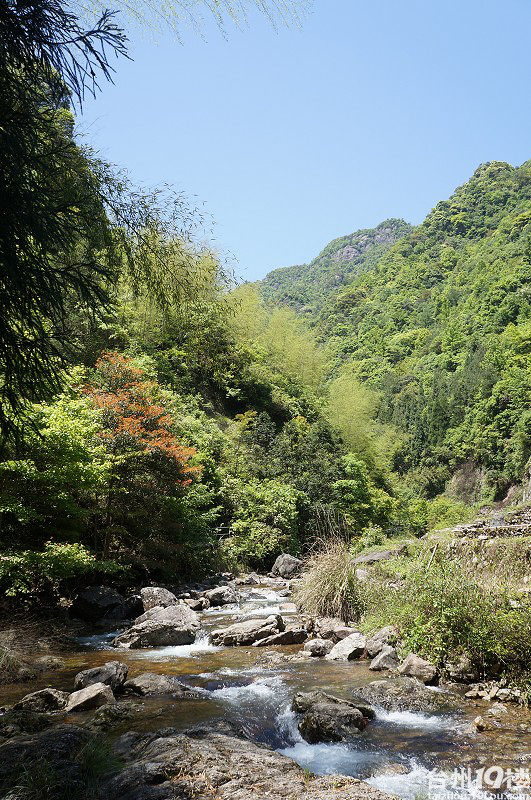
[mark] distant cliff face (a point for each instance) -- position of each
(307, 287)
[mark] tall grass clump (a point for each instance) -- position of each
(329, 587)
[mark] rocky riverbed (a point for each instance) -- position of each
(226, 691)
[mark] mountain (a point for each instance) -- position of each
(440, 325)
(306, 287)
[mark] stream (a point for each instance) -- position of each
(253, 687)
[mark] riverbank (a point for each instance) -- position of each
(219, 705)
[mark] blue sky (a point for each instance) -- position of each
(374, 108)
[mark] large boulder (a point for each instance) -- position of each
(154, 596)
(43, 700)
(347, 649)
(209, 762)
(112, 673)
(416, 667)
(326, 718)
(462, 670)
(221, 596)
(174, 625)
(325, 627)
(153, 683)
(318, 647)
(385, 636)
(248, 631)
(287, 566)
(407, 694)
(94, 603)
(91, 697)
(290, 636)
(387, 658)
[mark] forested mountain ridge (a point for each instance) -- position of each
(441, 327)
(306, 287)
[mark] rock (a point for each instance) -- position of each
(222, 596)
(153, 683)
(112, 714)
(290, 636)
(362, 575)
(198, 603)
(341, 632)
(351, 647)
(174, 625)
(113, 674)
(416, 667)
(91, 697)
(248, 631)
(17, 722)
(325, 627)
(497, 710)
(222, 765)
(43, 700)
(48, 663)
(380, 555)
(462, 670)
(248, 580)
(387, 658)
(328, 719)
(97, 602)
(154, 596)
(481, 724)
(407, 694)
(287, 566)
(318, 647)
(378, 640)
(57, 746)
(133, 606)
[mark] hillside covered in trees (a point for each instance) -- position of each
(438, 327)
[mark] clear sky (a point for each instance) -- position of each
(374, 108)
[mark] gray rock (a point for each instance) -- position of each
(329, 719)
(133, 606)
(252, 579)
(351, 647)
(290, 636)
(325, 627)
(174, 625)
(197, 603)
(153, 683)
(416, 667)
(380, 555)
(112, 714)
(46, 663)
(57, 746)
(208, 763)
(318, 647)
(248, 631)
(387, 658)
(43, 700)
(287, 566)
(113, 674)
(221, 596)
(378, 640)
(97, 602)
(462, 670)
(154, 596)
(407, 694)
(91, 697)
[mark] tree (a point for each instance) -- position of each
(149, 468)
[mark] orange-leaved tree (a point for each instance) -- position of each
(149, 468)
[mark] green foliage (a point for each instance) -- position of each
(47, 572)
(306, 288)
(445, 608)
(263, 523)
(437, 327)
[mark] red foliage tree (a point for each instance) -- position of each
(149, 466)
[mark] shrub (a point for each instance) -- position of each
(329, 586)
(37, 573)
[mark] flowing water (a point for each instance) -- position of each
(397, 752)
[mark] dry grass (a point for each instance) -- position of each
(329, 587)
